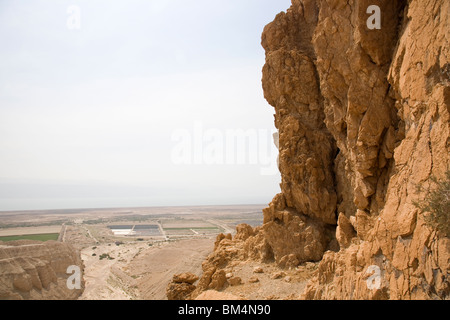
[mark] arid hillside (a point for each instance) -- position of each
(35, 270)
(362, 102)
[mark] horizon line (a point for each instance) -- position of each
(138, 207)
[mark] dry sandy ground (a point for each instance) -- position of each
(138, 271)
(154, 269)
(269, 282)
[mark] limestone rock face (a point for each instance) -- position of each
(390, 117)
(363, 117)
(306, 147)
(33, 270)
(293, 237)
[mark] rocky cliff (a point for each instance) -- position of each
(34, 270)
(363, 120)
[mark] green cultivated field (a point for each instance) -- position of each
(39, 237)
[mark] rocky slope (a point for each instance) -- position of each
(363, 119)
(34, 270)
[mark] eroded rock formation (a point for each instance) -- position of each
(181, 286)
(34, 270)
(363, 119)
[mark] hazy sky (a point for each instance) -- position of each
(108, 103)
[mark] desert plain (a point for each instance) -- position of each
(132, 253)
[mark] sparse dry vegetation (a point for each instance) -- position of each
(436, 204)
